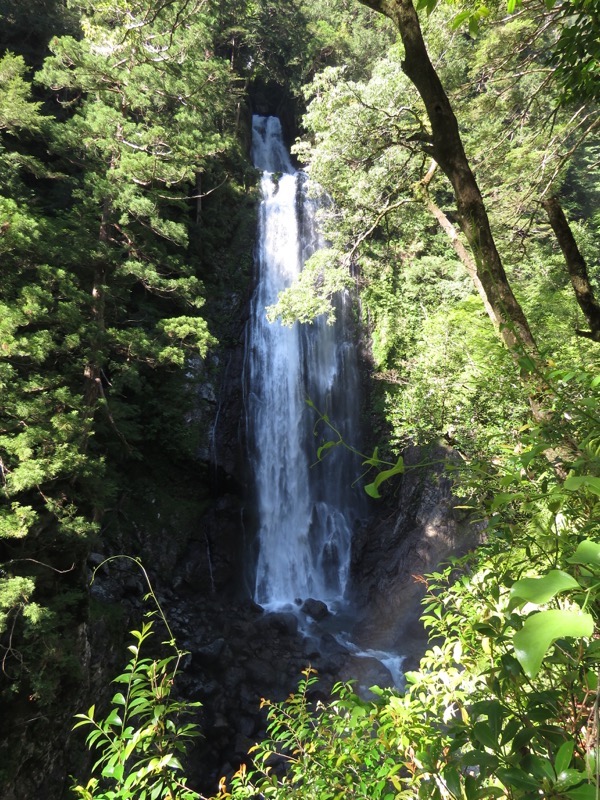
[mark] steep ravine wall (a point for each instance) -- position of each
(415, 528)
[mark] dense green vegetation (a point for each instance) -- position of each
(124, 224)
(100, 289)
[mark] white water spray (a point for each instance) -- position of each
(305, 515)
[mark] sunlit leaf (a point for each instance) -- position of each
(540, 590)
(325, 447)
(576, 482)
(540, 630)
(372, 489)
(587, 552)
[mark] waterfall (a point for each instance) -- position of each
(305, 511)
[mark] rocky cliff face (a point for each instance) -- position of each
(413, 531)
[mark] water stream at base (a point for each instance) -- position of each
(305, 514)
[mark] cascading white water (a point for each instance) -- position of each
(305, 514)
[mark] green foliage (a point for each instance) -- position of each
(101, 301)
(459, 382)
(140, 741)
(311, 294)
(344, 760)
(117, 200)
(504, 704)
(16, 108)
(384, 470)
(439, 370)
(345, 34)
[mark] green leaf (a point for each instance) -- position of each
(483, 733)
(460, 18)
(479, 758)
(540, 590)
(585, 792)
(374, 461)
(452, 780)
(539, 767)
(587, 552)
(527, 365)
(113, 718)
(114, 771)
(540, 630)
(576, 482)
(372, 489)
(325, 447)
(516, 778)
(568, 778)
(563, 757)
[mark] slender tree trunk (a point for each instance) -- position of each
(464, 255)
(446, 147)
(92, 370)
(576, 266)
(198, 198)
(458, 246)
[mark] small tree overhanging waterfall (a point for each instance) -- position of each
(305, 514)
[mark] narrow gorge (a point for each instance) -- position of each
(271, 492)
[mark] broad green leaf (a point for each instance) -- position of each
(540, 630)
(479, 758)
(540, 590)
(114, 771)
(587, 552)
(585, 792)
(484, 734)
(372, 491)
(539, 767)
(517, 778)
(113, 718)
(568, 778)
(452, 780)
(460, 18)
(563, 757)
(502, 499)
(587, 481)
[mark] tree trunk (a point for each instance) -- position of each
(422, 192)
(92, 372)
(576, 266)
(446, 147)
(463, 254)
